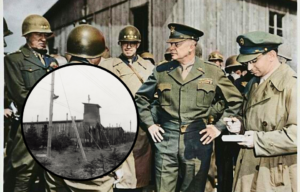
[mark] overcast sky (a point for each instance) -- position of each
(73, 84)
(15, 11)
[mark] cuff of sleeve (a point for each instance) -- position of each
(221, 125)
(147, 123)
(258, 143)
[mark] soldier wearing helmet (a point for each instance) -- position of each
(217, 58)
(85, 44)
(6, 31)
(133, 70)
(233, 68)
(23, 69)
(148, 56)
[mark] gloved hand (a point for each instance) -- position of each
(233, 124)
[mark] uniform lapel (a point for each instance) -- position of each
(266, 90)
(175, 72)
(196, 71)
(29, 56)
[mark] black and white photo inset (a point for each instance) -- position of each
(80, 122)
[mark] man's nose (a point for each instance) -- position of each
(250, 66)
(44, 37)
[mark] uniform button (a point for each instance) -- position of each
(257, 167)
(48, 70)
(264, 123)
(30, 69)
(271, 144)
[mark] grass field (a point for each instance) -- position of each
(70, 164)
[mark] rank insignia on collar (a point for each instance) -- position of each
(200, 69)
(172, 28)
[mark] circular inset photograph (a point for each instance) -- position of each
(80, 122)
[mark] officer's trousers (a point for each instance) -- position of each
(18, 165)
(181, 162)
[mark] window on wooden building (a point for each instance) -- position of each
(275, 23)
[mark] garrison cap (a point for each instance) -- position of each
(252, 44)
(181, 32)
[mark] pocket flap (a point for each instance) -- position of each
(206, 87)
(30, 68)
(164, 86)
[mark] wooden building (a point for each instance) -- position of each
(90, 129)
(220, 20)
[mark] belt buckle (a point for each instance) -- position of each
(183, 128)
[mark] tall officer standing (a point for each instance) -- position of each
(186, 88)
(23, 69)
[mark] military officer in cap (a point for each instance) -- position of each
(133, 70)
(186, 87)
(268, 159)
(217, 58)
(23, 69)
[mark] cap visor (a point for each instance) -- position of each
(245, 58)
(175, 40)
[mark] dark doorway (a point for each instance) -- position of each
(140, 21)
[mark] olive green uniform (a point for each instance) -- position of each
(22, 70)
(184, 107)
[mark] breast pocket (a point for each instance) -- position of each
(30, 73)
(164, 93)
(205, 94)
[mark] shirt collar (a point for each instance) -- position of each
(125, 59)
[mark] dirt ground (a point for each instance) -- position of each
(70, 164)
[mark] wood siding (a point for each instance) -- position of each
(220, 20)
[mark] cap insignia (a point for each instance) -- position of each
(242, 41)
(172, 28)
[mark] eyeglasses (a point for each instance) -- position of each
(177, 44)
(131, 44)
(254, 60)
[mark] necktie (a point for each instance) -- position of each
(185, 71)
(41, 58)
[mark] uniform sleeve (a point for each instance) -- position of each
(284, 139)
(143, 98)
(14, 81)
(232, 97)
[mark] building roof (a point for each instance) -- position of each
(59, 121)
(92, 104)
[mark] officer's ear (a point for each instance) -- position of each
(27, 36)
(272, 55)
(137, 45)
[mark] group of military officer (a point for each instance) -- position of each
(175, 101)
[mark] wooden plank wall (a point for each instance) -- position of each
(221, 22)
